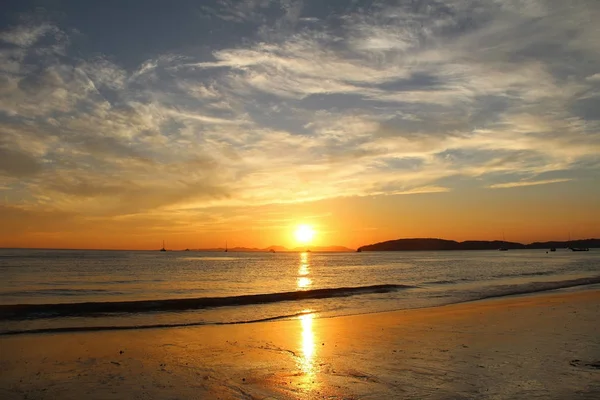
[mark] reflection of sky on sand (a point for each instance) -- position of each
(303, 282)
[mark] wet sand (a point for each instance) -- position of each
(541, 346)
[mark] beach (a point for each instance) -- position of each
(537, 346)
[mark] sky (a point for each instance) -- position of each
(126, 123)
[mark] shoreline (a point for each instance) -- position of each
(589, 283)
(523, 346)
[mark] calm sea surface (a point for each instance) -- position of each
(54, 290)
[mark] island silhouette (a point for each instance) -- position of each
(431, 244)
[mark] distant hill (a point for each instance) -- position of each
(323, 249)
(276, 248)
(589, 243)
(422, 244)
(281, 249)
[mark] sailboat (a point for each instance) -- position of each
(503, 246)
(225, 246)
(163, 248)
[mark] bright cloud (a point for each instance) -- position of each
(526, 183)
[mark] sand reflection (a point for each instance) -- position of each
(308, 347)
(304, 282)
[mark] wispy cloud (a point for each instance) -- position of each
(526, 183)
(593, 78)
(26, 35)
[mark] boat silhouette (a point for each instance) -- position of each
(576, 248)
(503, 246)
(579, 249)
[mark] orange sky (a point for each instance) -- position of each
(524, 215)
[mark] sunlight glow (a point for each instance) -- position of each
(304, 233)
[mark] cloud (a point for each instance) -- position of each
(309, 103)
(526, 183)
(424, 189)
(18, 164)
(26, 35)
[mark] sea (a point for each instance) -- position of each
(44, 291)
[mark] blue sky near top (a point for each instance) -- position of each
(168, 110)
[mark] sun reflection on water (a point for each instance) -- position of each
(304, 282)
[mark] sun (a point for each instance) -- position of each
(304, 233)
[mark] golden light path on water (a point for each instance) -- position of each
(304, 282)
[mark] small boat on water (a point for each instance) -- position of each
(576, 248)
(163, 248)
(553, 249)
(579, 249)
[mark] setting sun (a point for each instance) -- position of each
(304, 233)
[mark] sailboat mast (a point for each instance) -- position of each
(503, 246)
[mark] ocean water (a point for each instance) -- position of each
(71, 290)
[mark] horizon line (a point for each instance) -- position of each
(292, 250)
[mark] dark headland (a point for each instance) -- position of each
(420, 244)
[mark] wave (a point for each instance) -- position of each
(207, 258)
(499, 276)
(525, 274)
(96, 283)
(537, 273)
(65, 329)
(447, 282)
(31, 311)
(22, 312)
(60, 292)
(533, 287)
(63, 254)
